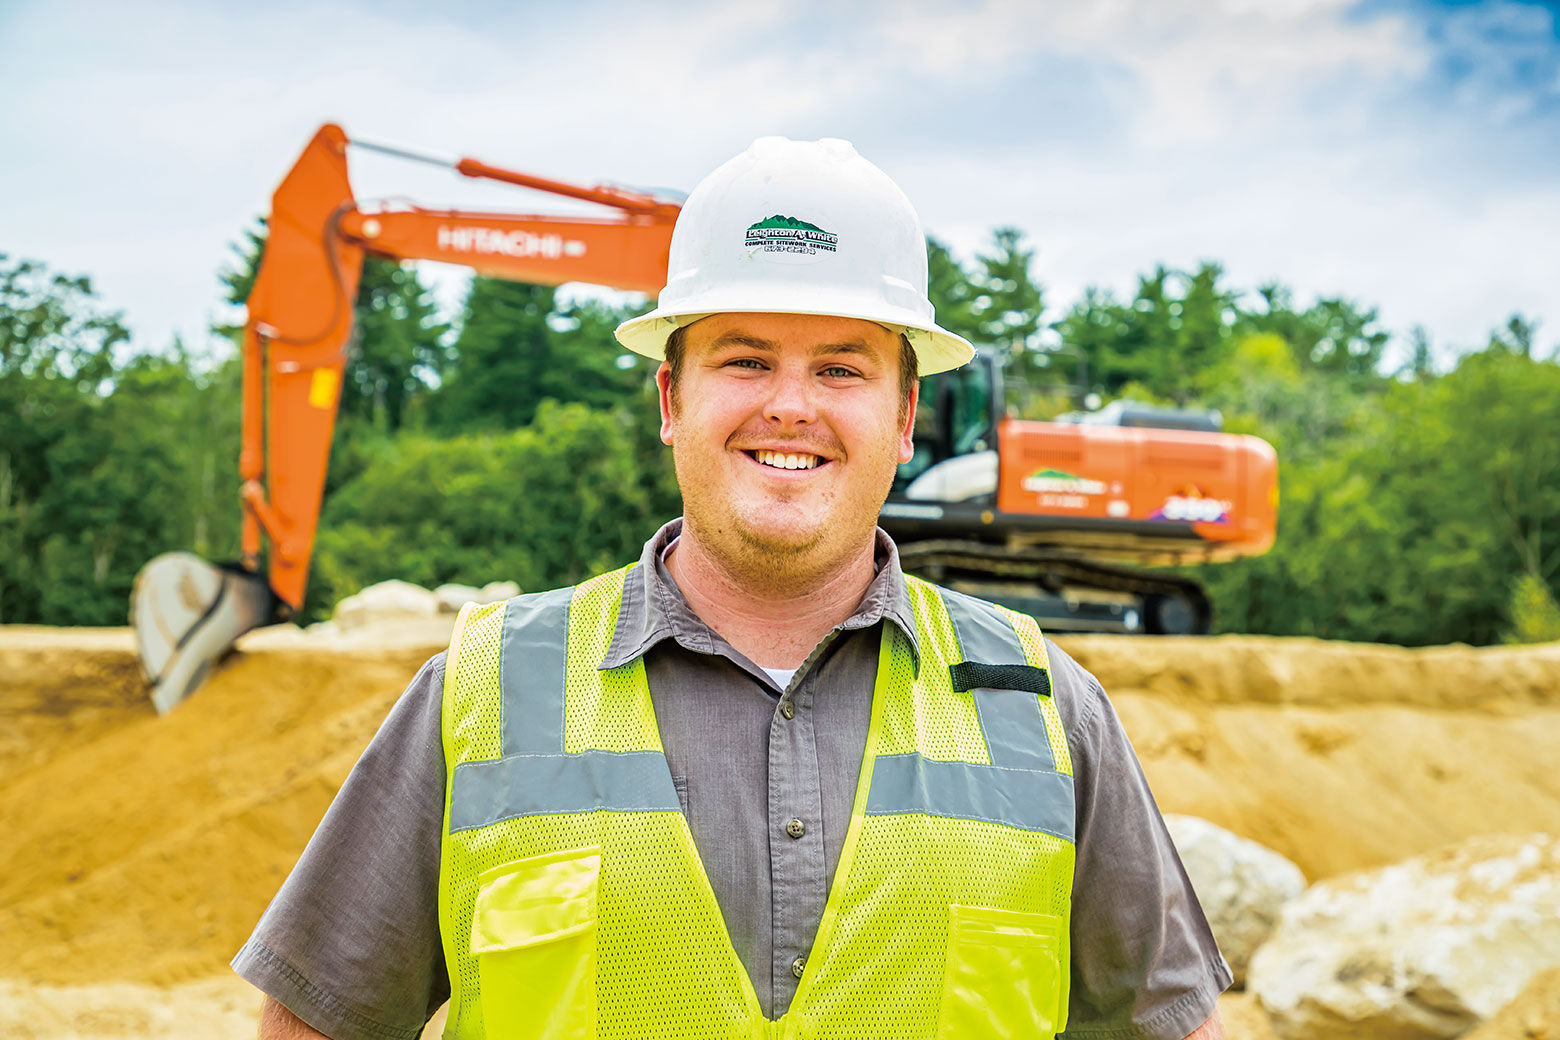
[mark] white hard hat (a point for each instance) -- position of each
(799, 227)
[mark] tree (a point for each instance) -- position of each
(1008, 302)
(111, 462)
(1429, 515)
(951, 291)
(1515, 337)
(543, 505)
(1421, 358)
(397, 346)
(998, 303)
(56, 356)
(517, 348)
(1332, 335)
(1177, 328)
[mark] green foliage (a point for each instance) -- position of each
(546, 504)
(107, 463)
(1409, 516)
(996, 302)
(1333, 335)
(951, 291)
(516, 349)
(1177, 330)
(1418, 507)
(1535, 616)
(397, 346)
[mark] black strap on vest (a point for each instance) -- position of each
(967, 675)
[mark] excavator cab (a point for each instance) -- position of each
(955, 428)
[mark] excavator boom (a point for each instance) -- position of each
(296, 341)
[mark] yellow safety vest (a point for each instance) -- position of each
(572, 900)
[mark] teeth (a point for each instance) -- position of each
(781, 460)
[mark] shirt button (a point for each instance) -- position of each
(795, 828)
(797, 966)
(788, 709)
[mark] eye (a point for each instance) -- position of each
(745, 362)
(839, 372)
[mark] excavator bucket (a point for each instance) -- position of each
(187, 614)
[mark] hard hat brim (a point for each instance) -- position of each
(936, 349)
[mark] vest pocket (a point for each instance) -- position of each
(533, 932)
(1003, 974)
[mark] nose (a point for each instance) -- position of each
(790, 400)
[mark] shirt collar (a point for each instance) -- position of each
(654, 608)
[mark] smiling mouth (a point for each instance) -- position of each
(785, 460)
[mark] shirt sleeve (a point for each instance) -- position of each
(350, 944)
(1144, 960)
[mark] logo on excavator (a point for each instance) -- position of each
(1191, 504)
(1055, 481)
(781, 234)
(1060, 490)
(522, 245)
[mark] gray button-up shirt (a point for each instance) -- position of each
(766, 778)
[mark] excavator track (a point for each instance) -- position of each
(1064, 591)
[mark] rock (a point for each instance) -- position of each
(453, 597)
(386, 601)
(1426, 948)
(494, 591)
(1242, 885)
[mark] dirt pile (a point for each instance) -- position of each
(1341, 756)
(142, 849)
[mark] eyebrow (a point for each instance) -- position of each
(738, 338)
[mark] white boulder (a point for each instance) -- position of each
(387, 601)
(453, 597)
(1242, 885)
(1426, 948)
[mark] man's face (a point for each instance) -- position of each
(786, 433)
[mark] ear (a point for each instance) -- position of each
(906, 441)
(663, 382)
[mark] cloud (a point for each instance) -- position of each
(1397, 151)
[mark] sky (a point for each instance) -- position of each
(1401, 153)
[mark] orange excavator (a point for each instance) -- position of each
(1038, 516)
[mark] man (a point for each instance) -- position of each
(760, 783)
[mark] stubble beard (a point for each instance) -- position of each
(773, 565)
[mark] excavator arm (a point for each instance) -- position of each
(188, 613)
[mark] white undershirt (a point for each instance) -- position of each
(781, 676)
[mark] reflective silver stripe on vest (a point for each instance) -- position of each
(1011, 720)
(1021, 787)
(1029, 799)
(534, 785)
(535, 776)
(532, 656)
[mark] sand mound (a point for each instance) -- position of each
(142, 849)
(1342, 756)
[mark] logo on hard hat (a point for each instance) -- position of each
(781, 234)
